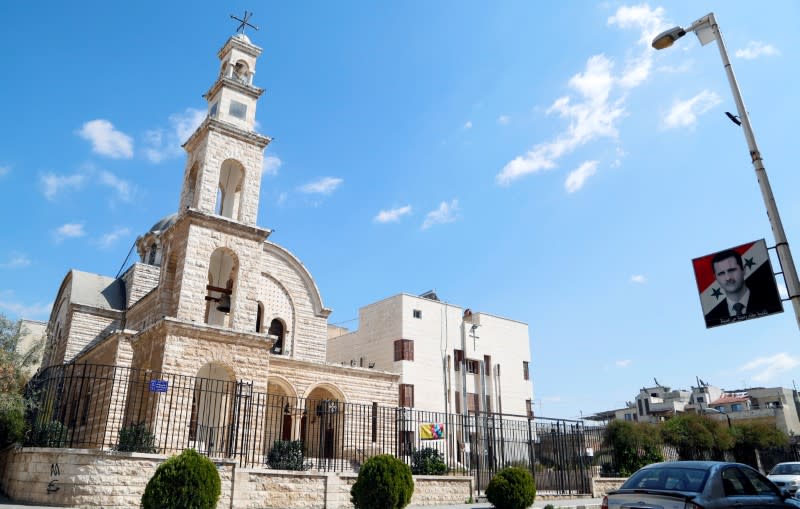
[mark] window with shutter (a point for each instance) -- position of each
(458, 402)
(525, 370)
(404, 350)
(458, 358)
(487, 364)
(406, 395)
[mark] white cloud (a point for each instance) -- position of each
(638, 278)
(109, 239)
(596, 111)
(392, 215)
(755, 49)
(15, 261)
(271, 165)
(684, 113)
(503, 119)
(468, 125)
(4, 170)
(9, 303)
(69, 231)
(164, 144)
(282, 198)
(53, 184)
(122, 187)
(325, 185)
(579, 176)
(446, 213)
(106, 140)
(623, 363)
(767, 368)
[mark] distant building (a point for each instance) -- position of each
(778, 405)
(32, 332)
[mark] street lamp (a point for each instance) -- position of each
(707, 30)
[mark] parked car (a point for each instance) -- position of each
(786, 476)
(698, 485)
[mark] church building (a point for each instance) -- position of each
(212, 300)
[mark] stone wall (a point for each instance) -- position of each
(602, 485)
(90, 478)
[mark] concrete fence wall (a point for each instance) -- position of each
(91, 478)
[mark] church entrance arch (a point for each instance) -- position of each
(211, 422)
(283, 413)
(322, 425)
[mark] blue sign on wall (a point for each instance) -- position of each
(159, 385)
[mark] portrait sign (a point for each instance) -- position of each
(737, 284)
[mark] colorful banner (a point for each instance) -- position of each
(431, 431)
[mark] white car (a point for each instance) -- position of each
(786, 476)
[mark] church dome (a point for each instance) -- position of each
(164, 223)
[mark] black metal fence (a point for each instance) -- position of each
(125, 409)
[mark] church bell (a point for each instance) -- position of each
(224, 304)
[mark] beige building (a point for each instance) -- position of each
(212, 299)
(777, 405)
(450, 359)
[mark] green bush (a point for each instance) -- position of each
(384, 482)
(12, 419)
(187, 481)
(428, 461)
(49, 434)
(511, 488)
(136, 438)
(633, 445)
(287, 455)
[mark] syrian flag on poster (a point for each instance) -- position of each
(737, 284)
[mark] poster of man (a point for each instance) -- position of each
(737, 284)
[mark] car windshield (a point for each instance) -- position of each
(673, 478)
(786, 469)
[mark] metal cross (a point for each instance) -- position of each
(243, 23)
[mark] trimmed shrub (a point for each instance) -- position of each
(136, 438)
(287, 455)
(384, 482)
(49, 434)
(12, 419)
(511, 488)
(187, 481)
(428, 461)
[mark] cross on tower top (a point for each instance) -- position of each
(243, 23)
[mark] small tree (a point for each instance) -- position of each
(753, 435)
(697, 437)
(511, 488)
(428, 461)
(187, 481)
(13, 405)
(633, 445)
(136, 438)
(384, 482)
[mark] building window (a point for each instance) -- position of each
(458, 358)
(406, 395)
(628, 417)
(473, 402)
(238, 110)
(213, 112)
(529, 407)
(700, 399)
(487, 365)
(404, 350)
(525, 372)
(417, 313)
(458, 402)
(488, 403)
(473, 366)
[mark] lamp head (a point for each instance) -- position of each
(666, 38)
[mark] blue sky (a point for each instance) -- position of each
(534, 160)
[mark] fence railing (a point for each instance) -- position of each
(125, 409)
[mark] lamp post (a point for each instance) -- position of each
(707, 30)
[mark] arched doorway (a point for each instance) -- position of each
(322, 426)
(210, 424)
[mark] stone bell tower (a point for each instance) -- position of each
(214, 246)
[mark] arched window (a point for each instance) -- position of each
(260, 317)
(152, 258)
(219, 297)
(276, 329)
(229, 189)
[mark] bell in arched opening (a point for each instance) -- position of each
(224, 304)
